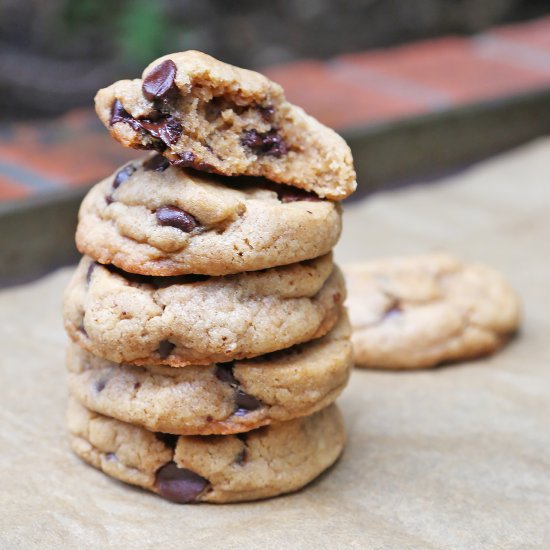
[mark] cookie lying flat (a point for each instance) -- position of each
(205, 114)
(217, 399)
(415, 312)
(200, 320)
(154, 219)
(263, 463)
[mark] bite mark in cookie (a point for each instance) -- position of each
(205, 114)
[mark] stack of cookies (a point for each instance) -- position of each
(208, 335)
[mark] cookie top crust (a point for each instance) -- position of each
(420, 311)
(222, 398)
(205, 114)
(193, 319)
(155, 219)
(266, 462)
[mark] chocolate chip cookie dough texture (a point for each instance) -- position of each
(208, 335)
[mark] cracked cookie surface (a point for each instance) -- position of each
(266, 462)
(199, 320)
(221, 398)
(154, 219)
(205, 114)
(420, 311)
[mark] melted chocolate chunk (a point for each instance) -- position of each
(165, 128)
(267, 143)
(161, 126)
(123, 175)
(157, 163)
(119, 114)
(169, 440)
(165, 349)
(176, 217)
(188, 159)
(179, 484)
(160, 82)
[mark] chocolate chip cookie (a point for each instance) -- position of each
(266, 462)
(210, 116)
(192, 319)
(221, 398)
(420, 311)
(154, 219)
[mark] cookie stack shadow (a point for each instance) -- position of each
(208, 337)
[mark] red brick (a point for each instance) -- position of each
(336, 99)
(535, 34)
(77, 156)
(11, 190)
(453, 66)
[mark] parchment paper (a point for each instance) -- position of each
(457, 457)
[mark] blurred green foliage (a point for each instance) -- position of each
(140, 30)
(144, 32)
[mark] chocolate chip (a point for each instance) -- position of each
(176, 217)
(267, 143)
(247, 402)
(179, 484)
(244, 402)
(161, 126)
(122, 175)
(100, 385)
(188, 159)
(160, 82)
(167, 128)
(267, 112)
(224, 372)
(89, 272)
(241, 457)
(394, 311)
(169, 440)
(165, 348)
(111, 456)
(81, 328)
(157, 163)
